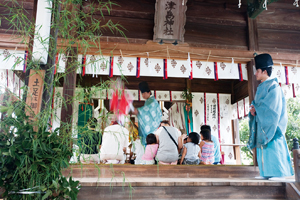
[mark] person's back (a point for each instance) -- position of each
(167, 151)
(115, 140)
(207, 148)
(207, 153)
(191, 150)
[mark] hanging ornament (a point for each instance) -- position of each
(265, 4)
(296, 3)
(240, 3)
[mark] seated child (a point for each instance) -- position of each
(207, 148)
(150, 151)
(191, 150)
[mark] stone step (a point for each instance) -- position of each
(183, 188)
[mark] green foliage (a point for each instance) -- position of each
(293, 127)
(31, 157)
(247, 156)
(32, 160)
(187, 95)
(292, 131)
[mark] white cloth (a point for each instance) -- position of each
(139, 150)
(115, 138)
(89, 158)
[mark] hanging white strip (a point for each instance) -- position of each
(287, 90)
(162, 95)
(79, 67)
(226, 128)
(198, 111)
(61, 65)
(57, 104)
(241, 109)
(42, 31)
(189, 69)
(247, 106)
(234, 111)
(134, 94)
(155, 68)
(178, 68)
(212, 113)
(98, 93)
(97, 65)
(16, 85)
(125, 65)
(177, 96)
(228, 70)
(297, 89)
(203, 70)
(10, 80)
(294, 74)
(244, 71)
(11, 59)
(279, 73)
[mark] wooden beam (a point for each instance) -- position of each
(252, 35)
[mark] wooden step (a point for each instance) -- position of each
(293, 191)
(162, 171)
(182, 188)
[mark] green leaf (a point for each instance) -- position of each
(48, 193)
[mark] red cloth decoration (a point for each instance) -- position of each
(114, 102)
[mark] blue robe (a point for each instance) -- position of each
(267, 130)
(149, 118)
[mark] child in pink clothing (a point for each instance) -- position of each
(207, 148)
(150, 151)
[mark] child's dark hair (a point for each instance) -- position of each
(206, 134)
(151, 139)
(194, 137)
(92, 123)
(165, 122)
(205, 127)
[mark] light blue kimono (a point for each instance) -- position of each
(149, 118)
(216, 148)
(267, 130)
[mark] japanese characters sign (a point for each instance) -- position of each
(169, 20)
(35, 92)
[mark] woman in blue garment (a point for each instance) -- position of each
(149, 115)
(268, 122)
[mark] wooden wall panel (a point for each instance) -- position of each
(234, 37)
(273, 40)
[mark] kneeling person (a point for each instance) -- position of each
(115, 142)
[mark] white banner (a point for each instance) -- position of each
(178, 68)
(203, 70)
(198, 111)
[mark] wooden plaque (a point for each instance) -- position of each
(35, 92)
(169, 21)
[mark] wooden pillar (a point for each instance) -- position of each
(252, 82)
(236, 141)
(296, 154)
(69, 90)
(252, 87)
